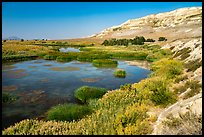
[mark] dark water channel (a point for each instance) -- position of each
(41, 84)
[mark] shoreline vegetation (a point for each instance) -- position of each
(123, 111)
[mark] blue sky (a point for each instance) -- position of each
(64, 20)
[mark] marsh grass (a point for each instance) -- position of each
(105, 63)
(67, 112)
(120, 73)
(85, 93)
(64, 68)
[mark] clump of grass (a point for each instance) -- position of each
(186, 124)
(184, 53)
(195, 88)
(63, 59)
(104, 63)
(85, 93)
(50, 57)
(120, 73)
(181, 78)
(67, 112)
(193, 65)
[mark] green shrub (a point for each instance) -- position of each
(127, 87)
(149, 40)
(168, 68)
(85, 93)
(162, 39)
(104, 63)
(120, 73)
(7, 98)
(67, 112)
(181, 78)
(160, 93)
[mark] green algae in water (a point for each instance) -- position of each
(9, 88)
(47, 64)
(18, 73)
(44, 80)
(90, 80)
(64, 68)
(32, 67)
(4, 68)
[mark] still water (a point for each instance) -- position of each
(69, 49)
(41, 84)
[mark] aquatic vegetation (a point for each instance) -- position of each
(44, 80)
(129, 55)
(85, 93)
(67, 112)
(64, 68)
(104, 63)
(120, 73)
(92, 55)
(17, 58)
(9, 88)
(32, 67)
(47, 64)
(7, 98)
(91, 79)
(22, 51)
(50, 57)
(18, 73)
(8, 67)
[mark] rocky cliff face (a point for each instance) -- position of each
(180, 23)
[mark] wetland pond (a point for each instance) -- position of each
(41, 84)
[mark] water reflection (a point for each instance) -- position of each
(69, 49)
